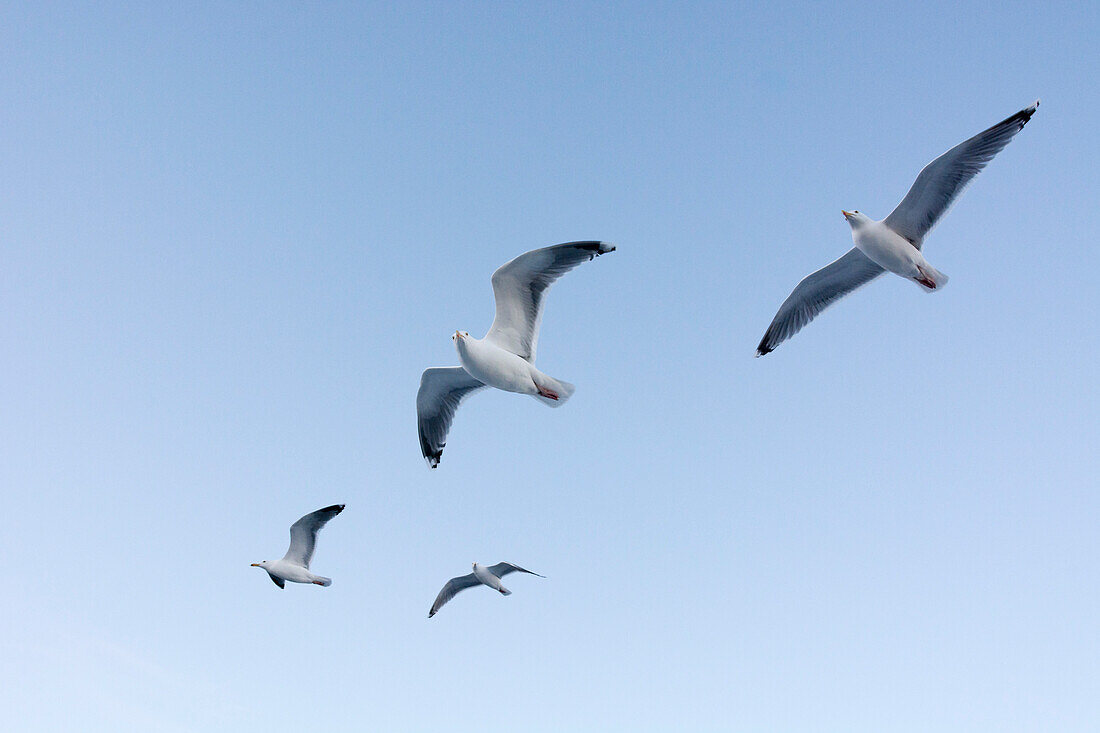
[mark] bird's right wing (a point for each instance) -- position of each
(519, 287)
(503, 568)
(815, 293)
(442, 389)
(942, 180)
(303, 534)
(452, 588)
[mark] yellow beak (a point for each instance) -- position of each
(846, 213)
(458, 334)
(255, 564)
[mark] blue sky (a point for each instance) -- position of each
(232, 237)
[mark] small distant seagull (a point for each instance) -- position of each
(894, 243)
(482, 575)
(303, 537)
(505, 357)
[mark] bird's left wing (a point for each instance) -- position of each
(442, 390)
(815, 293)
(942, 180)
(520, 286)
(277, 581)
(303, 534)
(503, 568)
(451, 588)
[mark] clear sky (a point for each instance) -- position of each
(233, 235)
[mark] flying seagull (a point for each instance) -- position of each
(894, 243)
(505, 357)
(303, 538)
(482, 575)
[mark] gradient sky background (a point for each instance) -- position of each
(232, 237)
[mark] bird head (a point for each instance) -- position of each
(855, 219)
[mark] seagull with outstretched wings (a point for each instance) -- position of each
(894, 244)
(482, 575)
(505, 357)
(294, 566)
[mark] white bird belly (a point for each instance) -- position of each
(888, 249)
(495, 366)
(293, 573)
(487, 578)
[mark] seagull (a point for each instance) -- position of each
(894, 243)
(482, 575)
(303, 537)
(505, 357)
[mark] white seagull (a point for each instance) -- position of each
(482, 575)
(505, 357)
(303, 537)
(894, 243)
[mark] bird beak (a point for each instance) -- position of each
(255, 564)
(847, 214)
(458, 334)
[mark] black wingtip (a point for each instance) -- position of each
(337, 508)
(595, 247)
(763, 348)
(1024, 116)
(430, 456)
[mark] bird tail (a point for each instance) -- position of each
(326, 582)
(553, 392)
(930, 278)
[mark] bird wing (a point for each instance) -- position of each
(520, 287)
(303, 534)
(503, 568)
(815, 293)
(442, 389)
(277, 581)
(942, 180)
(452, 588)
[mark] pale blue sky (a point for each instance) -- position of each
(233, 235)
